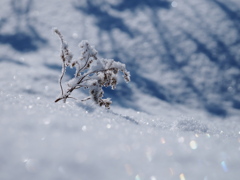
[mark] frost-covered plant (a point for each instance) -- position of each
(91, 72)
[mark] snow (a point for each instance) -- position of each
(178, 118)
(42, 140)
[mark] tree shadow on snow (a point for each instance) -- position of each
(106, 22)
(14, 61)
(136, 4)
(234, 16)
(220, 55)
(23, 39)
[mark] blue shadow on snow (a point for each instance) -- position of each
(23, 39)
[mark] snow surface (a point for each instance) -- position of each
(177, 119)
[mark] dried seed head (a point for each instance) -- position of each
(92, 78)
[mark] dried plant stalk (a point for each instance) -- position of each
(91, 72)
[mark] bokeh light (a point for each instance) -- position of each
(193, 145)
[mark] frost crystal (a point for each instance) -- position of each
(91, 72)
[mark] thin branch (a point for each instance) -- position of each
(58, 99)
(60, 35)
(87, 98)
(63, 73)
(77, 73)
(69, 91)
(62, 57)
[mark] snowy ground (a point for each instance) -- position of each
(177, 119)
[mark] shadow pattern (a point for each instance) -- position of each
(165, 40)
(24, 39)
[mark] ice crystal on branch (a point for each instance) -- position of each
(91, 73)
